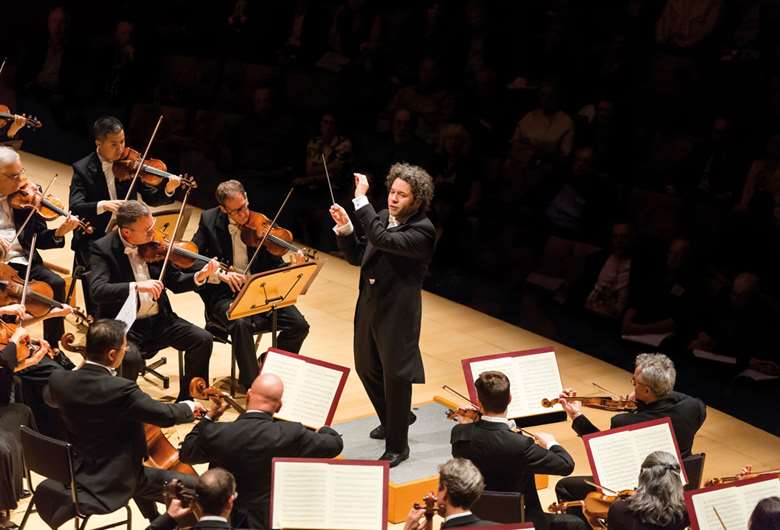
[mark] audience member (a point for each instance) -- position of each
(548, 129)
(609, 295)
(764, 176)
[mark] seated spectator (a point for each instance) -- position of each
(716, 165)
(119, 75)
(663, 301)
(658, 503)
(307, 35)
(685, 23)
(766, 515)
(353, 26)
(743, 324)
(548, 129)
(428, 100)
(597, 127)
(764, 176)
(456, 169)
(609, 295)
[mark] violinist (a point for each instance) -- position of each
(116, 266)
(508, 460)
(215, 494)
(219, 234)
(653, 380)
(11, 177)
(95, 194)
(460, 486)
(658, 503)
(104, 417)
(9, 129)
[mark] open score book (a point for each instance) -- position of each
(327, 493)
(616, 455)
(312, 388)
(533, 375)
(734, 502)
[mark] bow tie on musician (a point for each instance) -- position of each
(232, 232)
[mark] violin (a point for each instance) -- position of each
(175, 489)
(200, 390)
(6, 115)
(184, 253)
(595, 506)
(153, 171)
(602, 402)
(429, 501)
(748, 474)
(28, 351)
(49, 207)
(279, 240)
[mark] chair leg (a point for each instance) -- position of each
(181, 366)
(233, 363)
(30, 509)
(129, 517)
(83, 524)
(151, 369)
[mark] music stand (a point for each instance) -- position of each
(272, 290)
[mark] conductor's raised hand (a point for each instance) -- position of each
(339, 215)
(361, 184)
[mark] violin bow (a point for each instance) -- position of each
(2, 65)
(33, 210)
(600, 487)
(143, 159)
(267, 231)
(27, 273)
(327, 177)
(175, 231)
(461, 396)
(605, 390)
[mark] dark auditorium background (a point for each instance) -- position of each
(602, 167)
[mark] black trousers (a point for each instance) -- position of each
(573, 489)
(53, 328)
(34, 394)
(11, 456)
(149, 335)
(291, 324)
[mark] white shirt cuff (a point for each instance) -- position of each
(214, 278)
(198, 283)
(101, 207)
(165, 189)
(190, 404)
(344, 230)
(359, 202)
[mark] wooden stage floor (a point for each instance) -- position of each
(449, 332)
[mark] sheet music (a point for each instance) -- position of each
(129, 310)
(615, 459)
(300, 494)
(356, 497)
(311, 407)
(730, 508)
(654, 438)
(287, 368)
(540, 379)
(755, 492)
(505, 365)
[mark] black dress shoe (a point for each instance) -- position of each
(378, 433)
(395, 458)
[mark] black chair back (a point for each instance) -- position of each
(694, 469)
(500, 507)
(47, 456)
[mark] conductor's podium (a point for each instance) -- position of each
(429, 447)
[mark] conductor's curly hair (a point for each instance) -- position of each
(417, 178)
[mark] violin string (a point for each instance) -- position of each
(267, 231)
(327, 177)
(143, 158)
(33, 210)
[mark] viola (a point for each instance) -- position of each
(595, 506)
(602, 402)
(279, 240)
(429, 502)
(153, 171)
(28, 351)
(49, 207)
(200, 390)
(6, 115)
(184, 253)
(175, 489)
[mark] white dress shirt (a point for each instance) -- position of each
(108, 171)
(148, 306)
(16, 253)
(240, 251)
(359, 202)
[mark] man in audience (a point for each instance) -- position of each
(104, 418)
(508, 460)
(215, 493)
(548, 129)
(246, 446)
(460, 486)
(653, 381)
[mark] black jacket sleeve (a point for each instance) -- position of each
(142, 407)
(162, 522)
(78, 196)
(102, 289)
(583, 426)
(352, 247)
(8, 356)
(326, 443)
(555, 461)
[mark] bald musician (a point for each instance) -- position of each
(246, 446)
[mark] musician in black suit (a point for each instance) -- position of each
(11, 177)
(393, 255)
(115, 267)
(508, 460)
(653, 380)
(246, 446)
(219, 235)
(215, 494)
(96, 194)
(104, 417)
(460, 486)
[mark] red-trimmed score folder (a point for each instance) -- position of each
(326, 493)
(616, 455)
(734, 502)
(312, 388)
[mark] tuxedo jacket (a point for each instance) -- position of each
(393, 263)
(88, 187)
(508, 460)
(687, 415)
(166, 522)
(36, 225)
(245, 447)
(110, 275)
(103, 416)
(466, 520)
(214, 241)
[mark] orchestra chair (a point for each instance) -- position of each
(222, 336)
(53, 460)
(694, 469)
(504, 507)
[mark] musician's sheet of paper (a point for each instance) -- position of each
(734, 504)
(314, 494)
(532, 377)
(617, 455)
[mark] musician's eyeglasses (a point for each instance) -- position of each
(241, 208)
(14, 175)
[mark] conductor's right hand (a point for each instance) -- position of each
(339, 215)
(153, 287)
